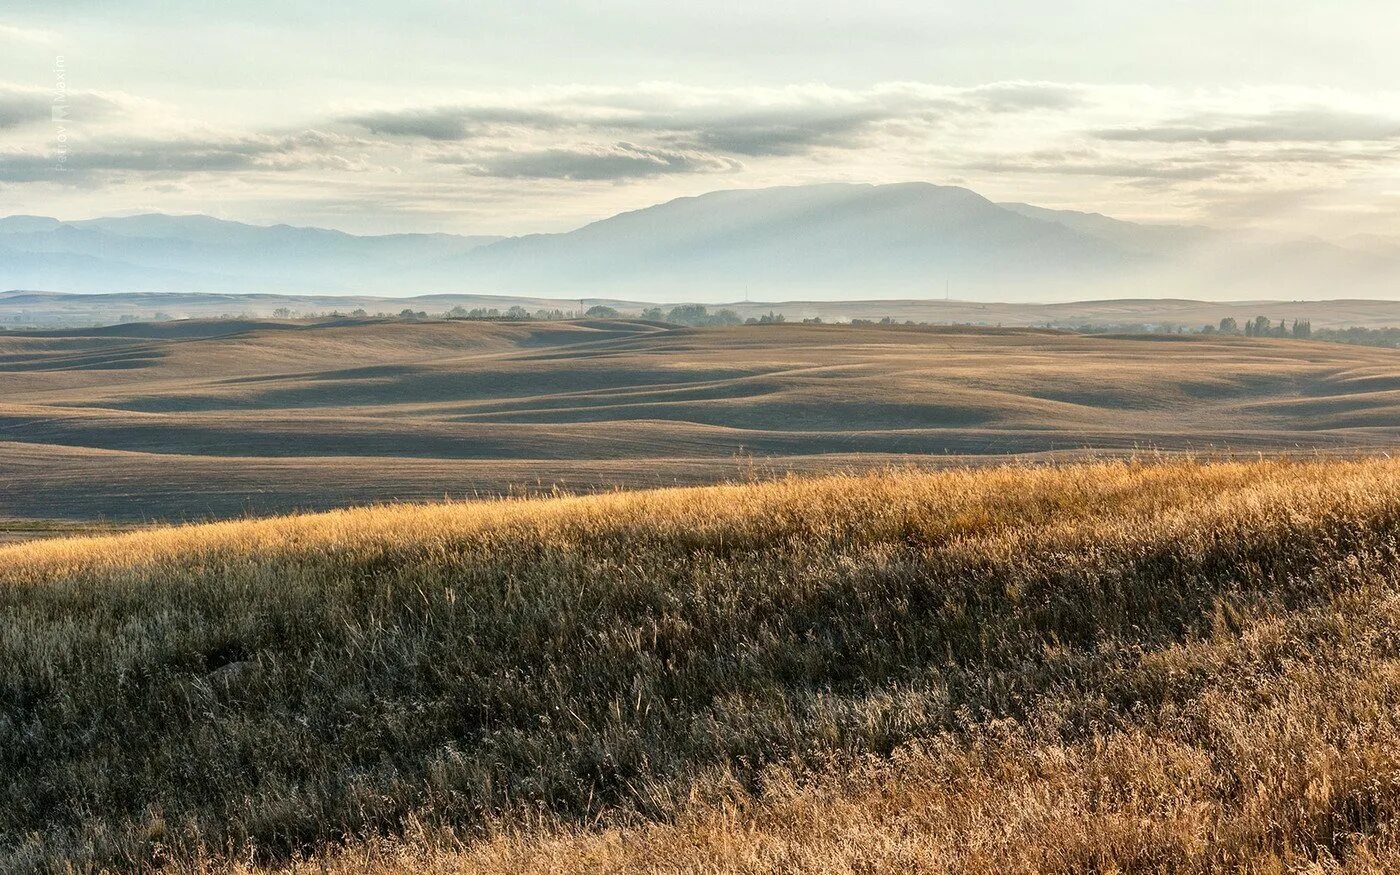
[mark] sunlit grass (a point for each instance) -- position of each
(1088, 668)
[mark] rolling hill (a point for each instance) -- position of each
(191, 419)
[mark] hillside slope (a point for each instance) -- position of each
(1096, 668)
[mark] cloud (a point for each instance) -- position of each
(9, 32)
(569, 133)
(751, 122)
(621, 161)
(1089, 163)
(1323, 154)
(453, 123)
(1093, 162)
(1308, 125)
(783, 131)
(21, 109)
(1025, 96)
(307, 149)
(774, 133)
(21, 106)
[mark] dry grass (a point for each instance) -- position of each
(1121, 666)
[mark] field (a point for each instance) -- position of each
(191, 420)
(1101, 667)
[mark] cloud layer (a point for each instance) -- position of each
(21, 106)
(1159, 152)
(1313, 124)
(614, 162)
(655, 129)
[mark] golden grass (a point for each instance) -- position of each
(1298, 771)
(1109, 667)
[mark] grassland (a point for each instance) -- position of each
(196, 420)
(1109, 667)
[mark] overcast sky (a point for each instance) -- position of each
(507, 117)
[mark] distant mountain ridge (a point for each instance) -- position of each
(890, 239)
(835, 240)
(156, 252)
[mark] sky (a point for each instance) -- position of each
(513, 117)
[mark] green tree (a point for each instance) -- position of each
(689, 314)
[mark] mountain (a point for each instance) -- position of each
(848, 239)
(49, 266)
(24, 224)
(1203, 260)
(832, 241)
(910, 240)
(1149, 240)
(200, 253)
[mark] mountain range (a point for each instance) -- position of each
(817, 241)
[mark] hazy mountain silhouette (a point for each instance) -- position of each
(833, 240)
(857, 239)
(199, 253)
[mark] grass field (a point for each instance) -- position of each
(216, 419)
(1107, 667)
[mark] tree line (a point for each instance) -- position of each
(1261, 326)
(698, 315)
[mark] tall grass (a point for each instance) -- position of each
(1085, 668)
